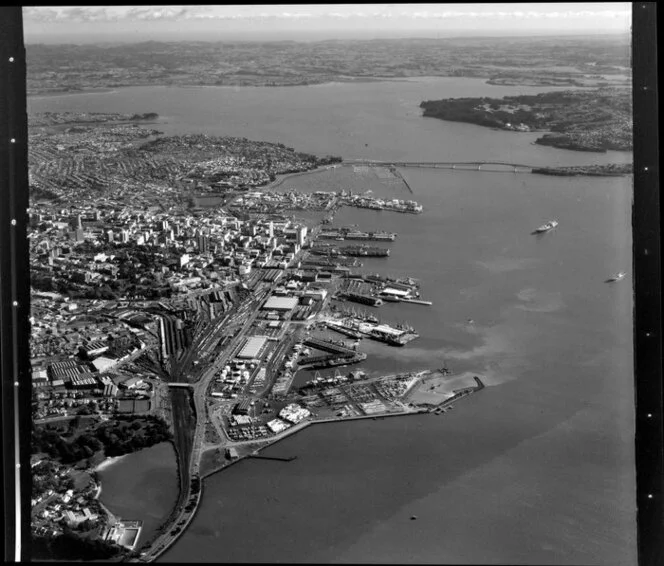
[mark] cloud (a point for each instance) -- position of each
(387, 12)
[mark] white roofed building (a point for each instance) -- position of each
(252, 347)
(280, 303)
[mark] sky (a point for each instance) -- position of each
(306, 22)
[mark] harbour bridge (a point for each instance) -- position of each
(492, 166)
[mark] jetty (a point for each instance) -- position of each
(276, 458)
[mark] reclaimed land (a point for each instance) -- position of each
(588, 120)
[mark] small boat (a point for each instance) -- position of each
(617, 277)
(550, 225)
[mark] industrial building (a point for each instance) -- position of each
(277, 425)
(280, 303)
(252, 347)
(242, 408)
(94, 349)
(294, 413)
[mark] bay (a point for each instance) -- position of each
(142, 486)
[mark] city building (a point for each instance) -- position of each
(252, 347)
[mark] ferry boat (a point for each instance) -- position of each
(617, 277)
(550, 225)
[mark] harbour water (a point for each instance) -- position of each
(538, 467)
(142, 486)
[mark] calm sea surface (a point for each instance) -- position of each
(536, 469)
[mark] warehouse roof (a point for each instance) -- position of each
(252, 347)
(280, 303)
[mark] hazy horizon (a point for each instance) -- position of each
(319, 22)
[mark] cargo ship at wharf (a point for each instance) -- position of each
(399, 336)
(323, 362)
(363, 299)
(341, 234)
(387, 290)
(393, 339)
(393, 205)
(350, 251)
(344, 330)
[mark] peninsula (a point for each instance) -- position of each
(609, 170)
(582, 120)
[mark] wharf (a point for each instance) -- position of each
(343, 330)
(364, 251)
(322, 362)
(399, 340)
(347, 234)
(364, 299)
(416, 301)
(328, 346)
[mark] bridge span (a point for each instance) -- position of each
(492, 166)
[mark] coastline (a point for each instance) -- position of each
(299, 427)
(336, 80)
(91, 90)
(289, 432)
(106, 463)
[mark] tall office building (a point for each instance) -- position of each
(203, 243)
(76, 222)
(301, 235)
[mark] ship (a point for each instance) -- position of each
(415, 301)
(365, 251)
(383, 236)
(364, 299)
(617, 277)
(550, 225)
(345, 330)
(393, 339)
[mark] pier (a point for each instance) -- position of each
(276, 458)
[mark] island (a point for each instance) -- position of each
(583, 120)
